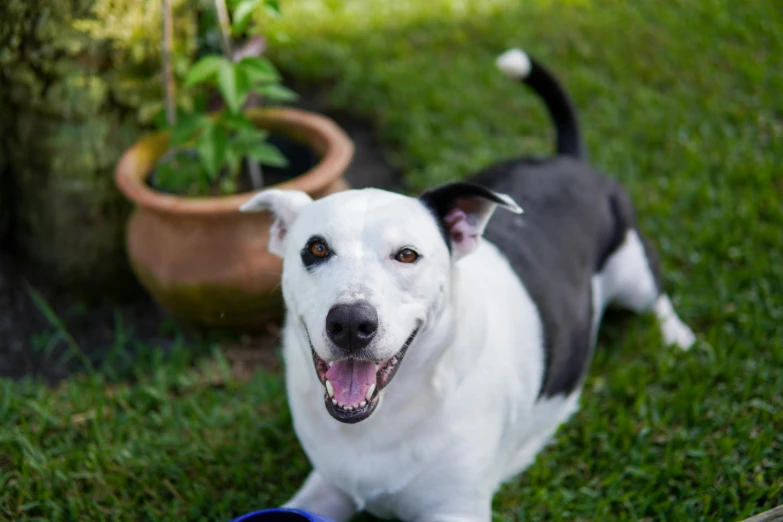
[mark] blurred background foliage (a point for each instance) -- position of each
(79, 81)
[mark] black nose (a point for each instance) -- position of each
(352, 326)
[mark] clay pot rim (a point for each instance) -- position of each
(319, 132)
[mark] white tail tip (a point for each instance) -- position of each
(510, 203)
(514, 63)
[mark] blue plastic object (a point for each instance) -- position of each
(282, 515)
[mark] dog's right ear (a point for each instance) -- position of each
(463, 211)
(285, 205)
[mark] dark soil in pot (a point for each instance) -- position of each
(300, 160)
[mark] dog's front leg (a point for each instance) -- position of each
(317, 496)
(457, 509)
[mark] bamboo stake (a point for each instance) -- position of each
(225, 27)
(168, 74)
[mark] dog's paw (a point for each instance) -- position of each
(677, 333)
(673, 330)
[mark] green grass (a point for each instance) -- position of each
(679, 100)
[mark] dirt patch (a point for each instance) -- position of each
(35, 325)
(50, 336)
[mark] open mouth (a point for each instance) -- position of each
(352, 387)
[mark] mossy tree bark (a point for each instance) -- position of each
(79, 81)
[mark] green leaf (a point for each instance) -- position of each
(167, 177)
(277, 93)
(243, 11)
(259, 70)
(232, 160)
(240, 123)
(160, 118)
(273, 7)
(268, 155)
(246, 140)
(234, 86)
(200, 103)
(211, 148)
(227, 83)
(205, 69)
(178, 173)
(228, 186)
(186, 127)
(251, 138)
(244, 86)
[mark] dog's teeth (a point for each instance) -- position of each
(363, 404)
(334, 401)
(329, 388)
(349, 408)
(331, 363)
(370, 391)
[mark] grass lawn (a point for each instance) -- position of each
(680, 100)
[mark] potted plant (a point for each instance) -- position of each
(198, 256)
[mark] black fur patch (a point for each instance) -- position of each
(311, 261)
(441, 200)
(574, 219)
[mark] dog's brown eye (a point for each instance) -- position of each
(406, 255)
(319, 249)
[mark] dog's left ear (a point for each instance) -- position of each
(285, 205)
(463, 211)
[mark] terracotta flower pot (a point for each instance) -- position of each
(200, 258)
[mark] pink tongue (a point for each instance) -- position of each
(351, 380)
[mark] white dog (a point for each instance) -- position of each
(427, 364)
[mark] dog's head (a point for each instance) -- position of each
(363, 273)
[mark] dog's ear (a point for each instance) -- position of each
(463, 211)
(285, 205)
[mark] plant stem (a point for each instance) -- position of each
(256, 177)
(225, 27)
(168, 74)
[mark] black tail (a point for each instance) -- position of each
(517, 64)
